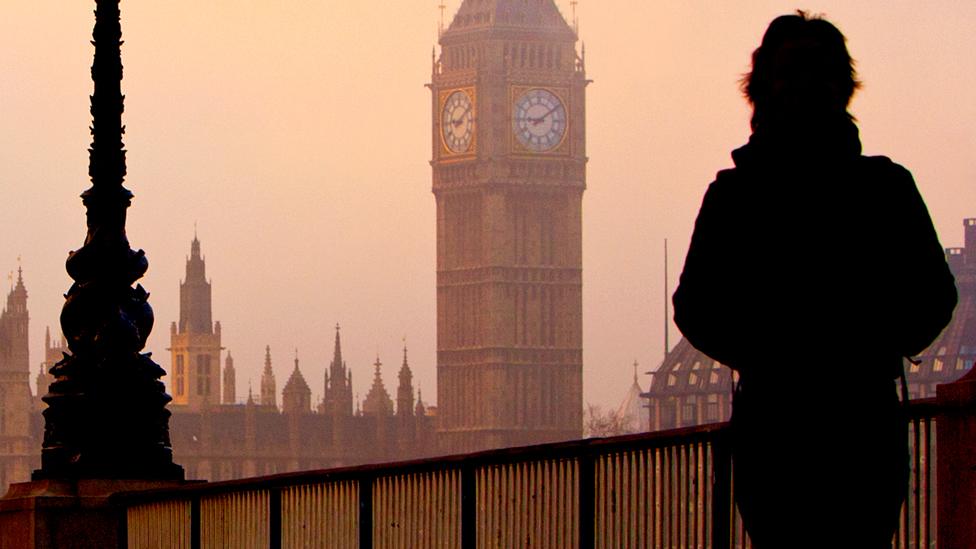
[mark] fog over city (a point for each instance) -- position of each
(294, 138)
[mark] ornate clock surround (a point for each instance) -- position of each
(563, 95)
(443, 97)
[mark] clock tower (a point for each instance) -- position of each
(509, 170)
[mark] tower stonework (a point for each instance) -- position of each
(16, 443)
(509, 161)
(195, 340)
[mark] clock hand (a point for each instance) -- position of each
(537, 121)
(458, 120)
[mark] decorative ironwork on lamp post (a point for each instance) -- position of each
(106, 415)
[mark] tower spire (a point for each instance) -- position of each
(440, 26)
(106, 415)
(269, 391)
(404, 404)
(574, 3)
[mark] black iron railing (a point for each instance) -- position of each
(665, 489)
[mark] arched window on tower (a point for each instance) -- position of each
(203, 374)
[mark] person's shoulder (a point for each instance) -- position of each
(726, 180)
(886, 167)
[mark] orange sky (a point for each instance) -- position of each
(296, 135)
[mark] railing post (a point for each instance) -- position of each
(195, 542)
(723, 508)
(587, 500)
(469, 507)
(274, 518)
(366, 512)
(123, 528)
(956, 463)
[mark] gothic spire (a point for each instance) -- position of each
(419, 410)
(17, 298)
(337, 350)
(269, 389)
(405, 388)
(196, 309)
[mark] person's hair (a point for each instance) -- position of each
(802, 65)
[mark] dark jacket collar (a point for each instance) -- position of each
(811, 143)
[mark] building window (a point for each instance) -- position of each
(669, 413)
(689, 412)
(692, 378)
(937, 365)
(713, 378)
(711, 408)
(672, 379)
(912, 368)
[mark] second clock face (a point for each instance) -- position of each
(457, 122)
(539, 120)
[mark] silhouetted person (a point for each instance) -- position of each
(812, 272)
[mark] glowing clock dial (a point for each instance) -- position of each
(539, 120)
(457, 122)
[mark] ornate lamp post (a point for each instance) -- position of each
(106, 415)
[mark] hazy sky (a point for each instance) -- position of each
(296, 135)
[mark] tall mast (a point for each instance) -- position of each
(667, 308)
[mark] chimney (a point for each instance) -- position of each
(956, 260)
(970, 243)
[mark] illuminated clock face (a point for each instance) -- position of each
(539, 120)
(457, 122)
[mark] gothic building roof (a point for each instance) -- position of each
(378, 402)
(688, 371)
(296, 396)
(952, 354)
(296, 382)
(534, 15)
